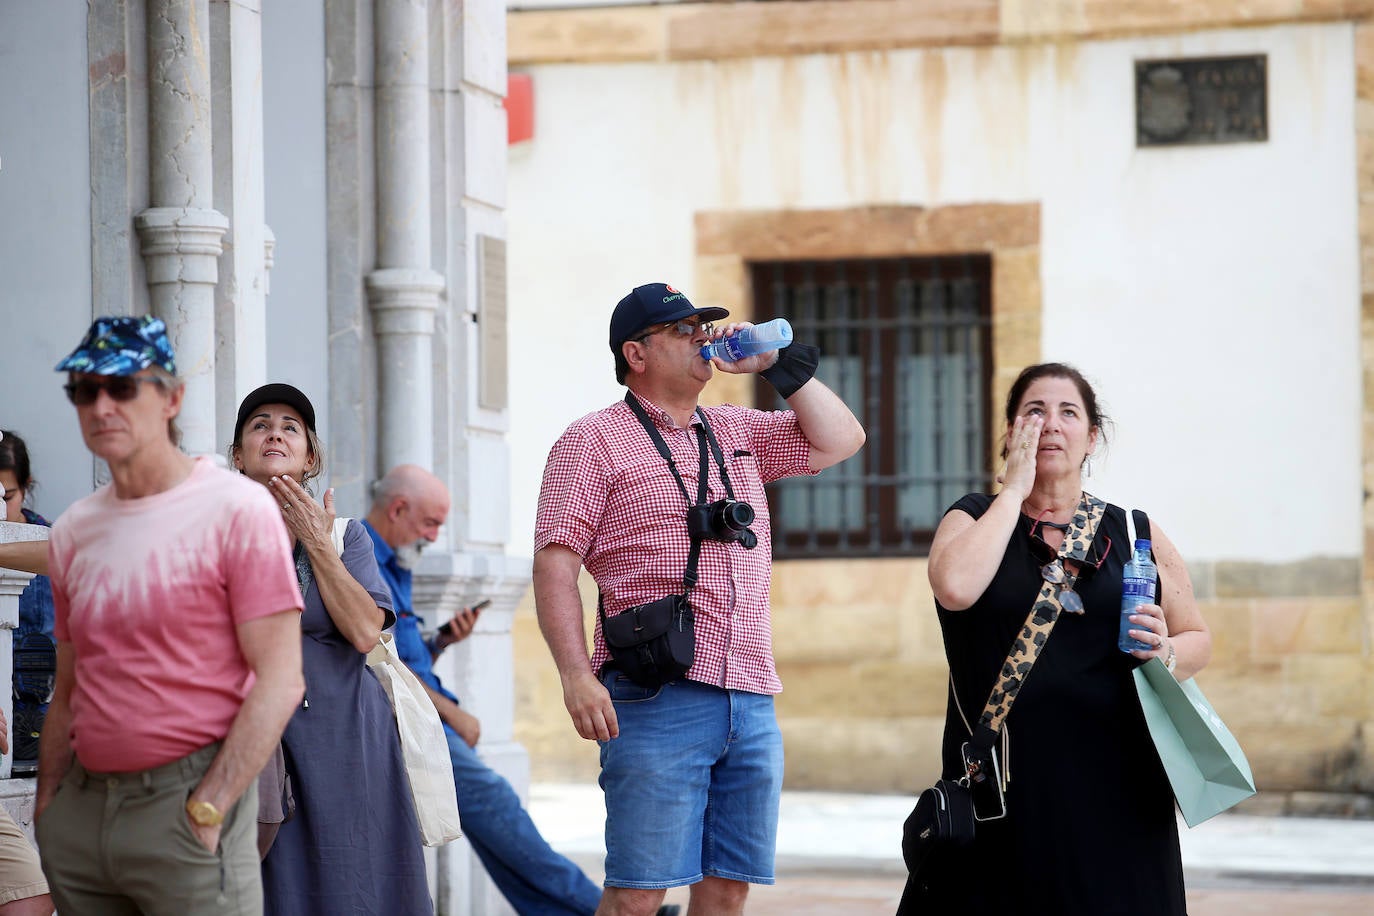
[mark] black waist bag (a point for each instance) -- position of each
(652, 643)
(941, 820)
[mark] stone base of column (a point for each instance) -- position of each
(181, 248)
(404, 300)
(182, 244)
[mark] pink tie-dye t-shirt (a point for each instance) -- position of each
(149, 592)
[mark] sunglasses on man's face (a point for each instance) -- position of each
(84, 393)
(684, 328)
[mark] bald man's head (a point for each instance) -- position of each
(409, 506)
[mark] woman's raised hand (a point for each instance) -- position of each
(1023, 443)
(308, 521)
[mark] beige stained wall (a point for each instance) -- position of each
(857, 641)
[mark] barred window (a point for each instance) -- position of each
(905, 342)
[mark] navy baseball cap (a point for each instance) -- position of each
(651, 304)
(276, 393)
(122, 345)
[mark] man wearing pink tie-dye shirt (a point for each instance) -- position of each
(178, 653)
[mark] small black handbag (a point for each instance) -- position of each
(652, 643)
(942, 818)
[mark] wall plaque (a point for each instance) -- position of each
(1201, 100)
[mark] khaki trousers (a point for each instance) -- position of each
(121, 843)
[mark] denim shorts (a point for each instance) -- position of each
(692, 784)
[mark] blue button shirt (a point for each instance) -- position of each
(410, 645)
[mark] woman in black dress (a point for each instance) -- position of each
(353, 845)
(1090, 826)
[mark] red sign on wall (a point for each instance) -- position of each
(519, 106)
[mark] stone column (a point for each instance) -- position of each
(181, 232)
(239, 191)
(403, 292)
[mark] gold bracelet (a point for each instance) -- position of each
(1172, 661)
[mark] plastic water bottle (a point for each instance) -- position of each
(761, 338)
(1137, 588)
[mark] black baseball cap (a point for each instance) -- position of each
(651, 304)
(275, 393)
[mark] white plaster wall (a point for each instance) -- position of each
(1212, 293)
(45, 236)
(293, 81)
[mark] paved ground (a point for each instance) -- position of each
(839, 855)
(858, 893)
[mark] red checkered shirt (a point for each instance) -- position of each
(609, 497)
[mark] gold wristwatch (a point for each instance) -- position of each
(204, 813)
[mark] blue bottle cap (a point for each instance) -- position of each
(1142, 544)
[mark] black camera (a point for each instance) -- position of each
(723, 520)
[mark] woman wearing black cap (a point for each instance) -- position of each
(353, 845)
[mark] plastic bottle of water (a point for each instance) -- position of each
(1137, 588)
(761, 338)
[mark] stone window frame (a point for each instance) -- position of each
(728, 240)
(859, 509)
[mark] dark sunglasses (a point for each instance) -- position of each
(118, 387)
(1053, 571)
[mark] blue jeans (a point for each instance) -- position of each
(692, 784)
(534, 879)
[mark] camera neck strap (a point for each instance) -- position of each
(704, 436)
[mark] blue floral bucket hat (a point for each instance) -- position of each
(122, 345)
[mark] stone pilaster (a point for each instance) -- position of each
(416, 163)
(181, 232)
(118, 141)
(241, 295)
(404, 292)
(351, 252)
(471, 453)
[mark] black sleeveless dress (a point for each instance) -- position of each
(1090, 827)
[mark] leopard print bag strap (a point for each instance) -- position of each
(1056, 596)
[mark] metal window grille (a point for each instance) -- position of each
(906, 343)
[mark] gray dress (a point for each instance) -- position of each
(353, 846)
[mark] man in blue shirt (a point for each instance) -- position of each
(409, 506)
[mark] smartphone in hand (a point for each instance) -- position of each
(447, 629)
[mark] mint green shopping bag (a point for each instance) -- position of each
(1205, 763)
